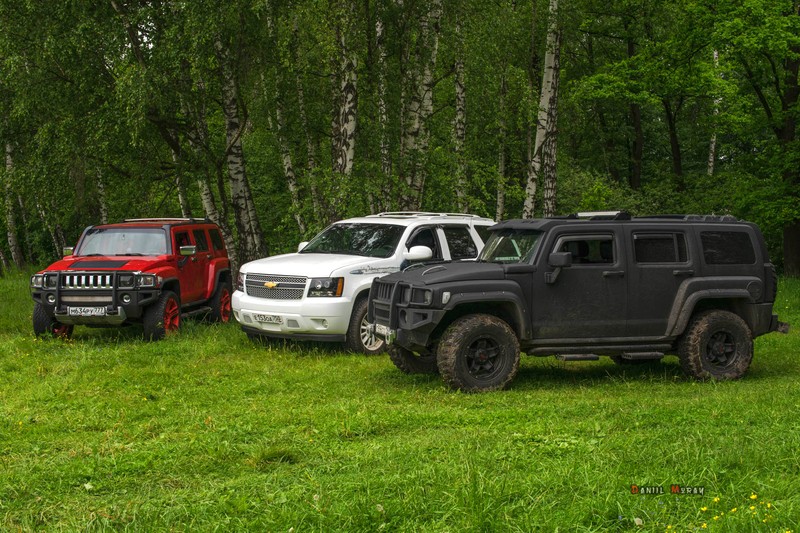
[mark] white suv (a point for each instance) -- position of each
(320, 293)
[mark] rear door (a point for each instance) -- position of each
(589, 299)
(660, 263)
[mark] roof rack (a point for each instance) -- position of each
(601, 215)
(410, 214)
(692, 218)
(167, 219)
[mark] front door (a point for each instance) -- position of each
(587, 300)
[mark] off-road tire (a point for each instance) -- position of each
(44, 324)
(412, 363)
(358, 338)
(478, 353)
(162, 317)
(221, 303)
(717, 345)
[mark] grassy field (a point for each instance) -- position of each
(207, 431)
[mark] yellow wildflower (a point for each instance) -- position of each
(716, 499)
(733, 510)
(704, 509)
(704, 526)
(753, 496)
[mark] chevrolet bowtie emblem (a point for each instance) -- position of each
(270, 284)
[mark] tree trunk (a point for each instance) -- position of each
(383, 119)
(500, 207)
(416, 136)
(545, 121)
(346, 98)
(102, 199)
(288, 166)
(460, 124)
(550, 87)
(674, 143)
(637, 151)
(712, 145)
(180, 186)
(11, 223)
(251, 244)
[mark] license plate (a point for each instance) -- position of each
(87, 311)
(382, 330)
(269, 319)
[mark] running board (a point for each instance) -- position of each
(642, 356)
(577, 357)
(196, 311)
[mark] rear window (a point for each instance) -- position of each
(666, 248)
(200, 240)
(727, 248)
(216, 239)
(460, 243)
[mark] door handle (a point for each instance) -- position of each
(613, 273)
(194, 259)
(686, 272)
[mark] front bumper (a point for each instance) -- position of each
(62, 304)
(323, 319)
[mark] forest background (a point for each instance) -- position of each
(275, 117)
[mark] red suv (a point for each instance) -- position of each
(149, 271)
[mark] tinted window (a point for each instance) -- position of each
(200, 240)
(460, 243)
(123, 241)
(425, 237)
(669, 248)
(483, 232)
(589, 250)
(727, 248)
(511, 246)
(216, 240)
(181, 239)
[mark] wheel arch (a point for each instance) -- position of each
(507, 309)
(737, 301)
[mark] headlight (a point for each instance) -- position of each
(51, 281)
(422, 296)
(240, 282)
(37, 281)
(147, 280)
(326, 287)
(125, 281)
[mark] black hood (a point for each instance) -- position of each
(448, 272)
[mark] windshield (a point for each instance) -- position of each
(372, 240)
(510, 246)
(123, 241)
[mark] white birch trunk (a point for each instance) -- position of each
(288, 167)
(251, 245)
(712, 145)
(344, 149)
(180, 186)
(102, 199)
(383, 118)
(501, 155)
(460, 125)
(11, 223)
(547, 97)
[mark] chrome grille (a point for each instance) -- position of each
(86, 280)
(285, 288)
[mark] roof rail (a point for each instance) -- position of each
(692, 218)
(602, 215)
(167, 219)
(410, 214)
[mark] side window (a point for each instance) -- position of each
(216, 239)
(589, 250)
(200, 240)
(483, 231)
(425, 237)
(460, 243)
(181, 239)
(659, 248)
(727, 248)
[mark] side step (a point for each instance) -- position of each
(196, 311)
(642, 356)
(577, 357)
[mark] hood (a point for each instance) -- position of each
(114, 262)
(309, 265)
(449, 272)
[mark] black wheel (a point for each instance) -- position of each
(163, 317)
(412, 363)
(359, 338)
(717, 345)
(221, 303)
(478, 353)
(44, 324)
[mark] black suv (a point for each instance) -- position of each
(633, 288)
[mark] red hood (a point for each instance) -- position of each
(114, 262)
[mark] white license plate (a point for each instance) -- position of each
(269, 319)
(382, 330)
(87, 311)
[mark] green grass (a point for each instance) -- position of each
(207, 431)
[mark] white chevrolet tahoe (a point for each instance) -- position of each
(320, 293)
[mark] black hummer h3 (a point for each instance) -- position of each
(633, 288)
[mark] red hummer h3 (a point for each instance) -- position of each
(149, 271)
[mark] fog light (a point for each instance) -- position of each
(51, 298)
(126, 298)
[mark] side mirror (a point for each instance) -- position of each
(301, 246)
(560, 259)
(418, 253)
(557, 260)
(68, 250)
(188, 250)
